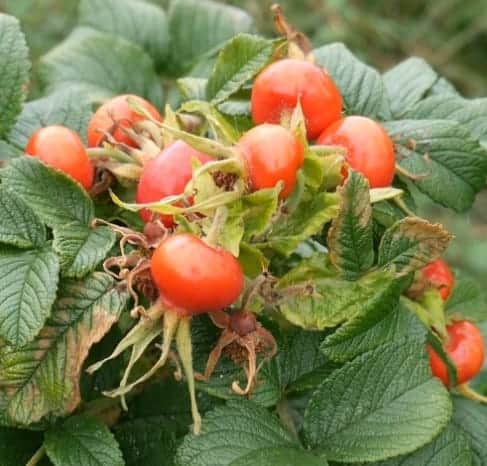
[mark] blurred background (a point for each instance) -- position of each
(450, 34)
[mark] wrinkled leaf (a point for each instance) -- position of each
(29, 283)
(350, 237)
(382, 404)
(81, 248)
(15, 66)
(450, 165)
(410, 244)
(42, 378)
(82, 441)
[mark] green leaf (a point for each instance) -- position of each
(238, 62)
(450, 448)
(29, 283)
(410, 244)
(407, 83)
(258, 209)
(65, 108)
(140, 22)
(221, 128)
(350, 237)
(199, 26)
(470, 113)
(232, 432)
(279, 456)
(146, 441)
(468, 298)
(20, 226)
(53, 196)
(361, 86)
(98, 66)
(17, 446)
(42, 378)
(334, 300)
(15, 66)
(81, 248)
(471, 418)
(192, 88)
(451, 166)
(252, 260)
(382, 404)
(8, 151)
(307, 220)
(299, 361)
(370, 329)
(82, 441)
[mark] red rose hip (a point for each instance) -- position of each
(195, 277)
(369, 149)
(279, 87)
(61, 148)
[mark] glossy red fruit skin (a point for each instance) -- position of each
(61, 148)
(465, 348)
(167, 175)
(195, 277)
(439, 275)
(279, 86)
(271, 154)
(118, 110)
(369, 149)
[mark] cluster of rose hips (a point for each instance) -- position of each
(192, 275)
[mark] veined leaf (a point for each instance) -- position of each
(66, 108)
(307, 220)
(19, 225)
(15, 66)
(350, 237)
(236, 431)
(407, 83)
(361, 86)
(29, 281)
(334, 300)
(142, 23)
(83, 441)
(451, 166)
(410, 244)
(471, 418)
(98, 66)
(382, 404)
(366, 331)
(199, 26)
(238, 62)
(42, 378)
(81, 248)
(53, 196)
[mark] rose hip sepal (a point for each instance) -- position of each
(115, 115)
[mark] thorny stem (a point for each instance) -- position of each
(466, 391)
(183, 342)
(38, 455)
